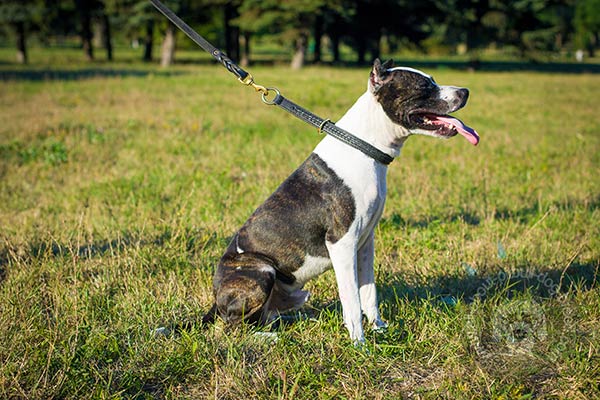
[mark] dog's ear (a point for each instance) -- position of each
(388, 64)
(379, 74)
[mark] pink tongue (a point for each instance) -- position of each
(463, 129)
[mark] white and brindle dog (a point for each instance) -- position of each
(324, 214)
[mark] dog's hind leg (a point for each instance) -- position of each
(243, 292)
(282, 300)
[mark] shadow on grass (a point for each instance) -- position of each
(506, 66)
(468, 286)
(523, 215)
(78, 74)
(35, 74)
(194, 240)
(540, 282)
(472, 65)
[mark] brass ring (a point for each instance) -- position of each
(320, 130)
(265, 94)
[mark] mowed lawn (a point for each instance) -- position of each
(120, 186)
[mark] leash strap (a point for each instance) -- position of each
(200, 41)
(323, 125)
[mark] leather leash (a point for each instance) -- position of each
(323, 125)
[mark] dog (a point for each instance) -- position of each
(324, 214)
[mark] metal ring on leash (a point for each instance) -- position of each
(265, 94)
(320, 130)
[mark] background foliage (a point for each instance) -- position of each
(313, 30)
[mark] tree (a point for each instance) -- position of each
(290, 20)
(559, 17)
(395, 18)
(193, 12)
(84, 10)
(587, 25)
(103, 17)
(460, 22)
(231, 31)
(21, 16)
(138, 19)
(251, 20)
(333, 20)
(167, 52)
(337, 23)
(364, 34)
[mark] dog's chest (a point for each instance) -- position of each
(365, 178)
(368, 189)
(312, 267)
(365, 183)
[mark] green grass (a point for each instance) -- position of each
(121, 184)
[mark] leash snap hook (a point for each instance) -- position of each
(248, 80)
(260, 88)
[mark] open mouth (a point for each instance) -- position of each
(444, 125)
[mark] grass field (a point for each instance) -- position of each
(121, 184)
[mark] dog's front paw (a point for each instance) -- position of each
(360, 344)
(362, 347)
(379, 325)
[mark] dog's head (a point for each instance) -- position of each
(412, 99)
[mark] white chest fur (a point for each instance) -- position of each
(312, 267)
(365, 177)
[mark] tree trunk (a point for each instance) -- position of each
(21, 45)
(335, 47)
(97, 38)
(376, 49)
(149, 40)
(86, 28)
(361, 49)
(318, 33)
(106, 37)
(593, 42)
(168, 47)
(558, 41)
(299, 51)
(232, 33)
(245, 60)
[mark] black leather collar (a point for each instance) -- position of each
(332, 129)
